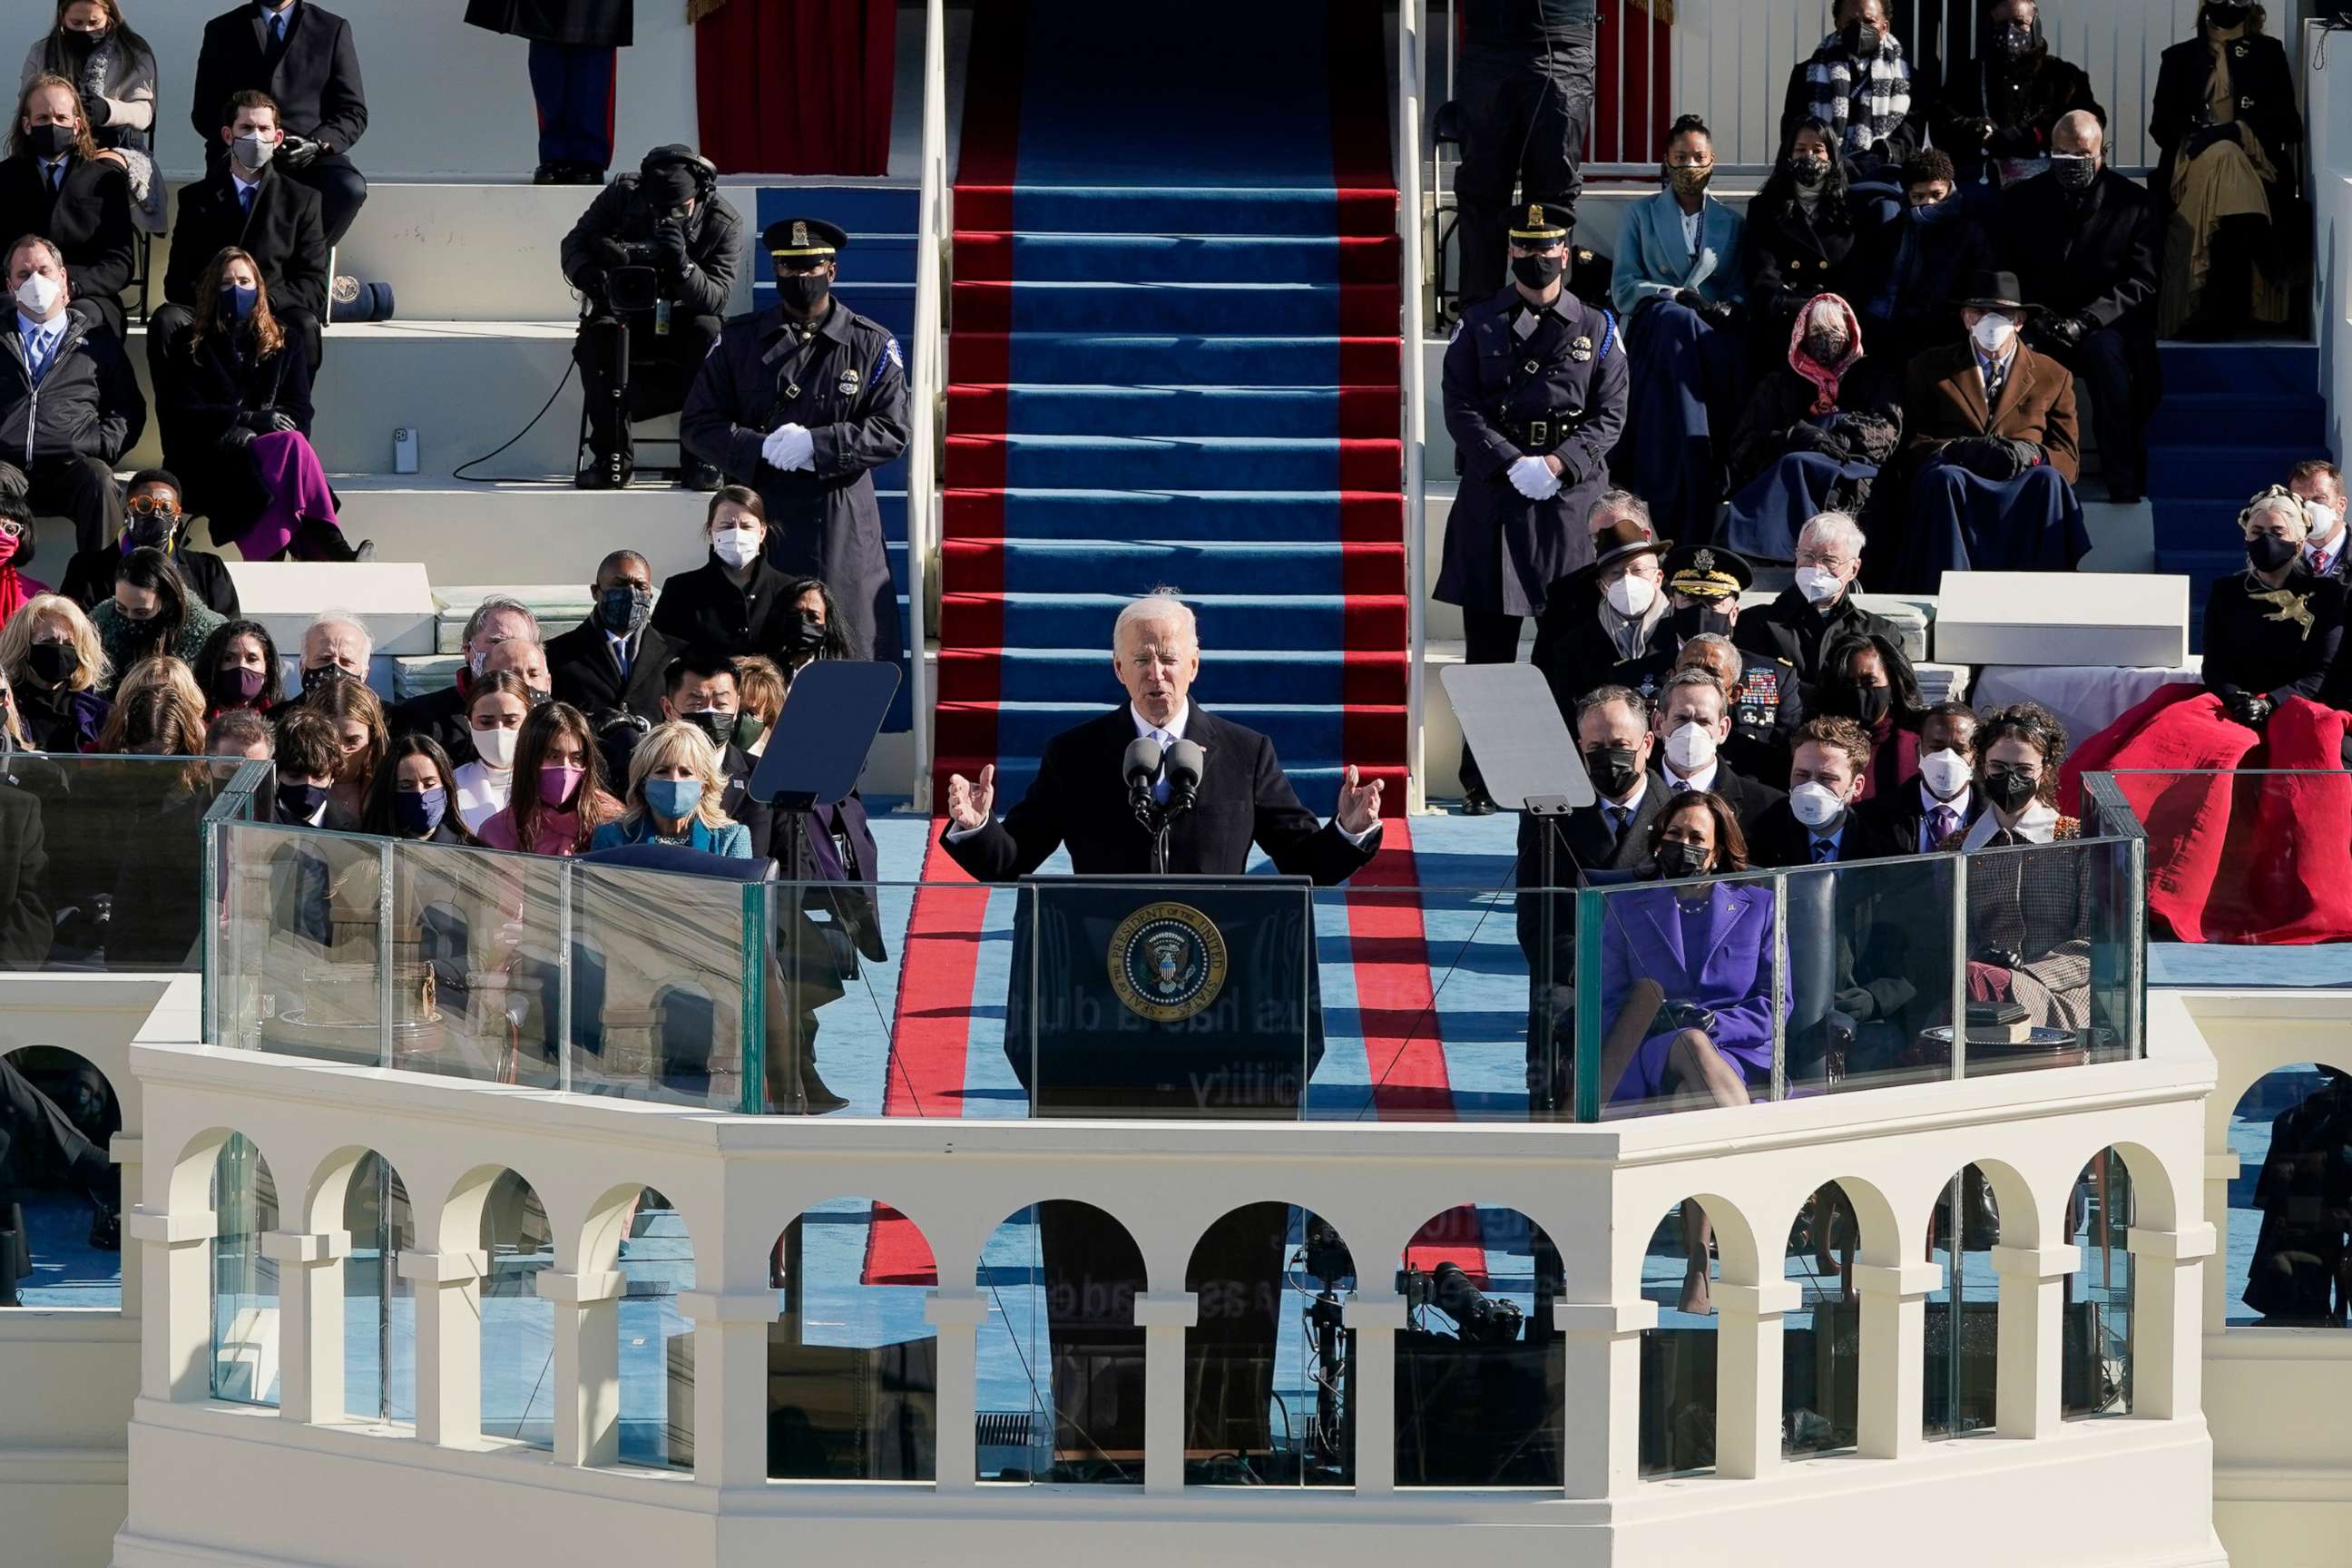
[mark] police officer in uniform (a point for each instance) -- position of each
(803, 402)
(1535, 397)
(1702, 587)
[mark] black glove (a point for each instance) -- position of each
(1722, 313)
(299, 152)
(607, 252)
(1972, 133)
(1805, 437)
(2210, 136)
(2066, 331)
(666, 249)
(281, 421)
(1690, 299)
(235, 438)
(1986, 457)
(96, 110)
(258, 422)
(2251, 708)
(1685, 1016)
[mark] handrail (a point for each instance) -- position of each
(1412, 18)
(929, 349)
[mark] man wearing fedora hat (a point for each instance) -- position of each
(1990, 449)
(1609, 615)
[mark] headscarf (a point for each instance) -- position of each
(1824, 377)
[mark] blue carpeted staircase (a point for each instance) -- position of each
(2235, 418)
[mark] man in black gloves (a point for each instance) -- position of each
(654, 258)
(302, 55)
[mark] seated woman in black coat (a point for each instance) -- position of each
(233, 400)
(2272, 631)
(735, 600)
(1803, 239)
(1816, 431)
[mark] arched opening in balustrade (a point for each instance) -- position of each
(1481, 1373)
(852, 1359)
(638, 1233)
(2095, 1353)
(517, 1322)
(245, 1283)
(1267, 1363)
(60, 1196)
(1702, 1242)
(1961, 1373)
(1821, 1335)
(1060, 1357)
(379, 1306)
(2283, 1253)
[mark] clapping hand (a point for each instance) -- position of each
(1359, 803)
(970, 805)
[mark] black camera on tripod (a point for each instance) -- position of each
(634, 287)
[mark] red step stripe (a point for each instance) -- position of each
(1389, 947)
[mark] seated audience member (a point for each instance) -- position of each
(2029, 917)
(2225, 115)
(360, 738)
(54, 183)
(1677, 287)
(559, 800)
(310, 755)
(156, 712)
(1818, 608)
(92, 46)
(442, 714)
(2272, 631)
(151, 612)
(1819, 823)
(1691, 720)
(818, 629)
(662, 234)
(1857, 83)
(15, 552)
(526, 660)
(1990, 443)
(233, 400)
(1939, 798)
(735, 600)
(1612, 614)
(700, 689)
(414, 795)
(1801, 238)
(1998, 116)
(612, 663)
(1765, 704)
(1920, 262)
(2319, 484)
(247, 204)
(761, 687)
(238, 667)
(2086, 243)
(240, 734)
(152, 517)
(161, 670)
(56, 668)
(303, 57)
(69, 403)
(673, 798)
(1818, 428)
(1870, 682)
(496, 706)
(335, 647)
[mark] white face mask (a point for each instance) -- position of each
(735, 546)
(1691, 746)
(38, 293)
(1631, 595)
(1946, 772)
(1816, 804)
(496, 747)
(1992, 332)
(1819, 585)
(2324, 520)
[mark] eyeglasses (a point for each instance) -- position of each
(11, 529)
(150, 506)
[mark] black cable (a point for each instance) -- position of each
(459, 471)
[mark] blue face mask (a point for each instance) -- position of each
(419, 811)
(1941, 212)
(237, 300)
(673, 800)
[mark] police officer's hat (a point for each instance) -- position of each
(1537, 226)
(1708, 572)
(802, 240)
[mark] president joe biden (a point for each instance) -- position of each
(1080, 796)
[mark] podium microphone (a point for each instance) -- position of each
(1186, 762)
(1141, 771)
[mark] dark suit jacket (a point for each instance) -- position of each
(1078, 800)
(2097, 258)
(581, 664)
(1749, 800)
(89, 577)
(1790, 629)
(1899, 814)
(704, 605)
(24, 881)
(315, 78)
(440, 714)
(1779, 840)
(284, 233)
(756, 817)
(1944, 401)
(88, 220)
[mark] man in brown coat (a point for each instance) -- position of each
(1990, 449)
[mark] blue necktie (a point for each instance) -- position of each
(1159, 785)
(277, 25)
(38, 347)
(1618, 817)
(245, 198)
(1824, 851)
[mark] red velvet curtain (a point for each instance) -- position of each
(797, 87)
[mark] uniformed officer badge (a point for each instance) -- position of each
(848, 384)
(1580, 351)
(800, 237)
(1534, 216)
(890, 347)
(1703, 562)
(1167, 963)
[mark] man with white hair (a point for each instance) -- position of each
(1819, 609)
(442, 714)
(1080, 799)
(2085, 244)
(335, 647)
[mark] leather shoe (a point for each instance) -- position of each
(1477, 803)
(699, 477)
(106, 1231)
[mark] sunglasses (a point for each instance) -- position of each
(12, 529)
(148, 506)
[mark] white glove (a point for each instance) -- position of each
(789, 446)
(1533, 477)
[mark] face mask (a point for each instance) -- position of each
(2225, 17)
(2269, 551)
(8, 544)
(1690, 747)
(1816, 804)
(2072, 172)
(237, 300)
(1868, 704)
(1690, 182)
(1631, 596)
(236, 688)
(559, 782)
(673, 800)
(1946, 772)
(38, 293)
(1677, 861)
(419, 811)
(803, 292)
(748, 731)
(54, 663)
(299, 802)
(150, 530)
(738, 547)
(318, 677)
(1539, 272)
(1825, 350)
(1852, 36)
(1992, 332)
(805, 635)
(1819, 585)
(2324, 518)
(624, 611)
(1612, 770)
(1807, 173)
(496, 747)
(719, 726)
(2008, 791)
(2016, 42)
(253, 150)
(1687, 622)
(50, 141)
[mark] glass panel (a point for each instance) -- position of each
(476, 971)
(1963, 1358)
(60, 1194)
(1677, 1418)
(657, 1262)
(853, 1366)
(517, 1322)
(866, 1044)
(379, 1306)
(1871, 947)
(123, 889)
(2097, 1375)
(1267, 1365)
(1481, 1373)
(1820, 1340)
(1684, 976)
(657, 986)
(245, 1283)
(299, 927)
(1060, 1360)
(2048, 956)
(2284, 1267)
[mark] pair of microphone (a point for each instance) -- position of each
(1147, 759)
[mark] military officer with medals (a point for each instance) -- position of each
(1702, 587)
(802, 402)
(1535, 398)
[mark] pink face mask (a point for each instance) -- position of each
(7, 548)
(558, 782)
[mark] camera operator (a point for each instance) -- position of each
(654, 258)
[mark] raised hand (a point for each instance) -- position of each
(1359, 803)
(970, 805)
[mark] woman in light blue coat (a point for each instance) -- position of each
(1679, 293)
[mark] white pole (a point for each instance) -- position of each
(929, 349)
(1413, 20)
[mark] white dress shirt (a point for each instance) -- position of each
(1702, 779)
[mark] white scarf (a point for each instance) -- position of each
(2037, 826)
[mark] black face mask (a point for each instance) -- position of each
(624, 610)
(1695, 620)
(1540, 272)
(1807, 173)
(299, 802)
(50, 141)
(320, 678)
(2016, 42)
(54, 662)
(1677, 860)
(803, 292)
(2226, 16)
(1852, 36)
(1825, 350)
(2269, 551)
(805, 633)
(2073, 174)
(720, 727)
(1612, 770)
(2008, 790)
(1866, 705)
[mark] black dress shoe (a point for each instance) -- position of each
(1477, 803)
(106, 1231)
(699, 477)
(548, 174)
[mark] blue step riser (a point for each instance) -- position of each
(1220, 356)
(1300, 467)
(1289, 312)
(1108, 514)
(1171, 259)
(1143, 211)
(1309, 414)
(2220, 369)
(2241, 471)
(1280, 623)
(1138, 568)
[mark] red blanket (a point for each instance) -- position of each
(2232, 855)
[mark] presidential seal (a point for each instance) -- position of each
(1167, 962)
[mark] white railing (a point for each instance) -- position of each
(929, 361)
(1412, 23)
